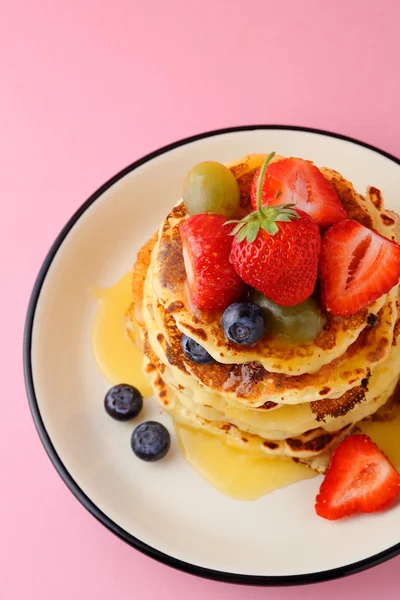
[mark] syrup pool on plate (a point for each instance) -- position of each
(117, 358)
(238, 474)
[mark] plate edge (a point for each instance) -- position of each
(256, 580)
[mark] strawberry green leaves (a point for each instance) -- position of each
(265, 217)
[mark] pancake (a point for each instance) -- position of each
(300, 446)
(305, 446)
(274, 398)
(252, 385)
(355, 404)
(168, 281)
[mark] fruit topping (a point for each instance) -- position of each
(211, 187)
(356, 267)
(123, 402)
(212, 280)
(298, 324)
(150, 441)
(359, 479)
(298, 181)
(195, 352)
(276, 249)
(243, 323)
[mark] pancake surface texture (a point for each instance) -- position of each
(275, 398)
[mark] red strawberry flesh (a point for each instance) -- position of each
(357, 266)
(298, 181)
(359, 479)
(213, 282)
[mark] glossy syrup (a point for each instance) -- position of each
(239, 475)
(117, 358)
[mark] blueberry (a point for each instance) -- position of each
(194, 352)
(243, 323)
(150, 441)
(123, 402)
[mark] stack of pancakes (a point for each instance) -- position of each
(274, 398)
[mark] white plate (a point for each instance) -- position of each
(165, 509)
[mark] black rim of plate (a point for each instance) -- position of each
(262, 580)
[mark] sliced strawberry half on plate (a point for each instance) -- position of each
(356, 267)
(213, 282)
(298, 181)
(359, 479)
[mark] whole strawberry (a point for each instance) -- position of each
(276, 250)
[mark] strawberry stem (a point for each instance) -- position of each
(261, 179)
(264, 217)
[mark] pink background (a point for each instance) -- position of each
(88, 86)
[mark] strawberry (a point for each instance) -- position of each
(359, 479)
(213, 282)
(357, 266)
(298, 181)
(275, 250)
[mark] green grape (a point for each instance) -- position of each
(211, 187)
(296, 324)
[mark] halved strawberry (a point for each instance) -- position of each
(298, 181)
(356, 266)
(359, 479)
(213, 282)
